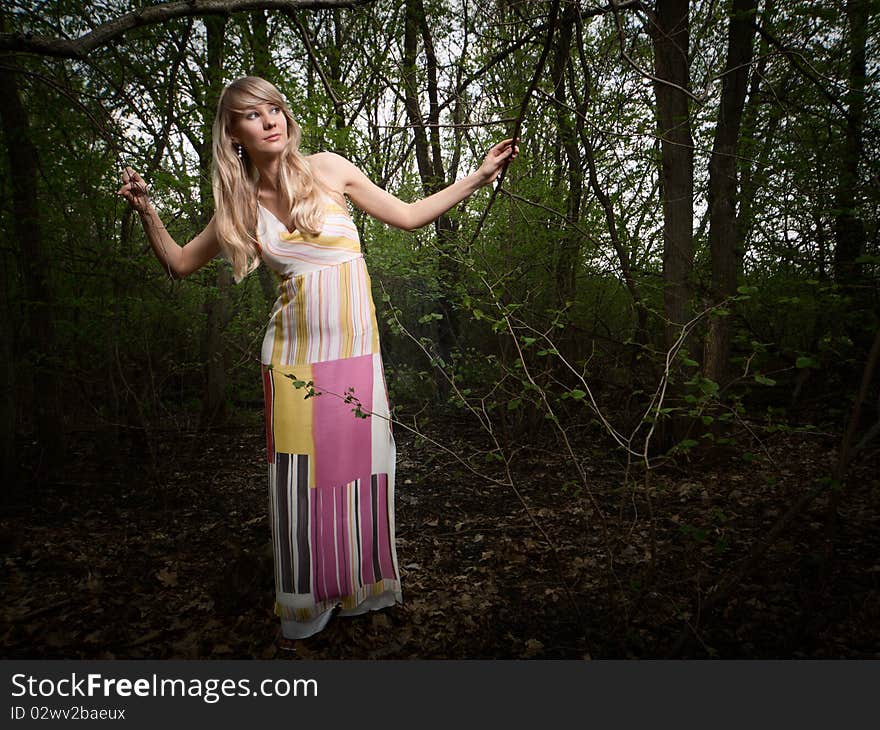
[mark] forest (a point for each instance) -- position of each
(634, 382)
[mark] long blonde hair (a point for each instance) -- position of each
(236, 180)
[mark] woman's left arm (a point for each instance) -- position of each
(375, 201)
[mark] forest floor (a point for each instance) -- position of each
(165, 555)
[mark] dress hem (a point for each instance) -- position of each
(293, 629)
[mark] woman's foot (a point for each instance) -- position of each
(287, 645)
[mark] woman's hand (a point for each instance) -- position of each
(496, 159)
(134, 190)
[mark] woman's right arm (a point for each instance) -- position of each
(178, 261)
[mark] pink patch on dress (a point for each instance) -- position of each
(343, 445)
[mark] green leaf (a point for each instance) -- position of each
(806, 362)
(764, 380)
(578, 394)
(696, 533)
(708, 386)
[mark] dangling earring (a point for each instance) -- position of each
(239, 148)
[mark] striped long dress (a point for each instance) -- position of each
(330, 449)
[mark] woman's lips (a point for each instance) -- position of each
(273, 138)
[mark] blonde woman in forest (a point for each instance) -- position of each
(331, 463)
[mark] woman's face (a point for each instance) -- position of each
(262, 129)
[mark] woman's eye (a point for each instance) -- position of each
(251, 115)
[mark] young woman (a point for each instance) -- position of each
(330, 448)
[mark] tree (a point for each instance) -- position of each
(723, 191)
(39, 343)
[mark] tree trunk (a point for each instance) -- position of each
(261, 47)
(849, 229)
(218, 308)
(38, 348)
(569, 245)
(849, 233)
(671, 39)
(723, 183)
(754, 159)
(8, 456)
(670, 33)
(262, 66)
(430, 166)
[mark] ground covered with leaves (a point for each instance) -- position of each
(164, 553)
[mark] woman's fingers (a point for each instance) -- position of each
(497, 157)
(133, 188)
(506, 148)
(131, 176)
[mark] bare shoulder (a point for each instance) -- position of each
(332, 170)
(329, 163)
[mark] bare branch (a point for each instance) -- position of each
(310, 49)
(539, 69)
(460, 125)
(112, 30)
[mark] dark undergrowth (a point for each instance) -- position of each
(164, 553)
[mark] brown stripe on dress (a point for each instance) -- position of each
(303, 584)
(282, 548)
(356, 486)
(374, 489)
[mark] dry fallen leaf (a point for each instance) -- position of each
(167, 577)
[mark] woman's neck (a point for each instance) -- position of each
(268, 183)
